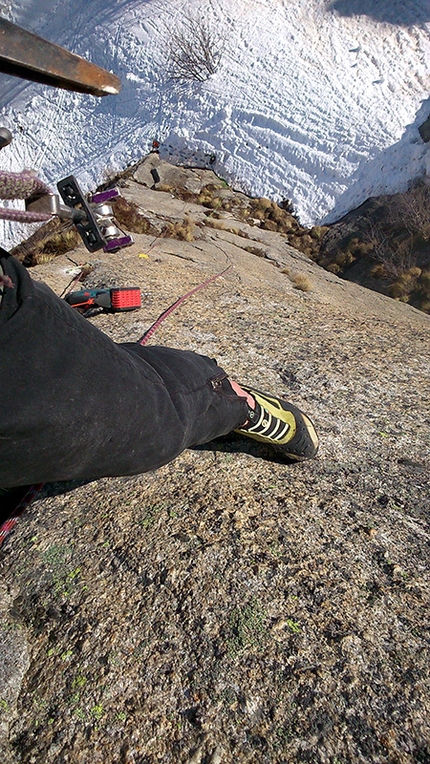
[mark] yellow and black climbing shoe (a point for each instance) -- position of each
(281, 425)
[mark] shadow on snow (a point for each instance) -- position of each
(396, 12)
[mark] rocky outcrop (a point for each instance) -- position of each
(231, 607)
(424, 130)
(384, 245)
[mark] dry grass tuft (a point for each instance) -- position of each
(301, 281)
(182, 230)
(274, 217)
(318, 231)
(215, 222)
(166, 188)
(54, 238)
(258, 251)
(221, 225)
(61, 242)
(408, 282)
(128, 216)
(208, 196)
(384, 245)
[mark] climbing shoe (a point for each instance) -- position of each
(281, 425)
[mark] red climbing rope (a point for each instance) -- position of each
(176, 304)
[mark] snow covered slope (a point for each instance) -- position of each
(317, 101)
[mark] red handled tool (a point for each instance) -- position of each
(115, 299)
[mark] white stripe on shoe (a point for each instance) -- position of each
(268, 426)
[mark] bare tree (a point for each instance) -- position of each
(413, 210)
(193, 50)
(395, 255)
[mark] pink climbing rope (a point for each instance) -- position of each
(22, 185)
(143, 340)
(12, 520)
